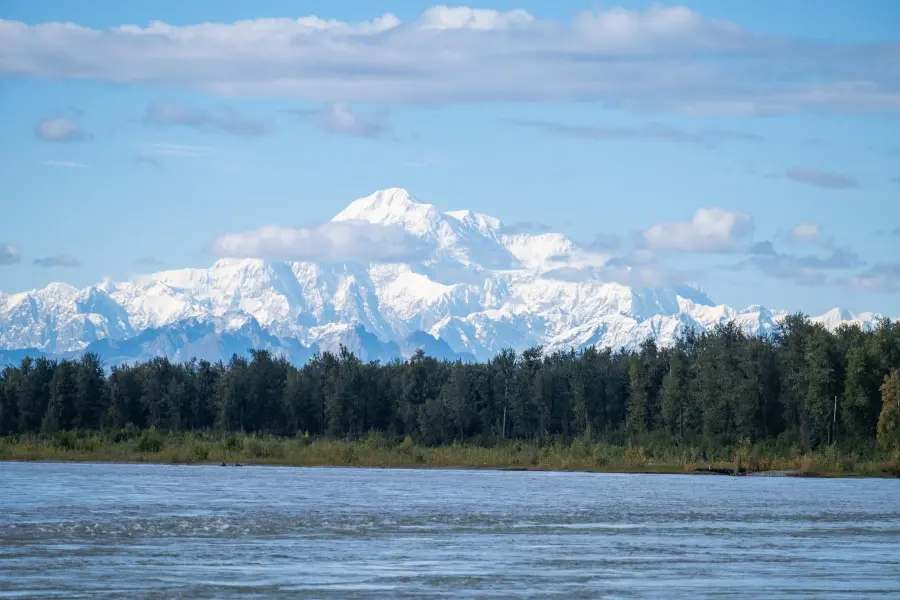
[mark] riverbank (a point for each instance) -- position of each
(377, 451)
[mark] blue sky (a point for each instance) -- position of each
(125, 151)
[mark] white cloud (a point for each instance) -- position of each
(357, 241)
(62, 260)
(804, 270)
(58, 129)
(63, 163)
(664, 58)
(463, 17)
(822, 179)
(710, 230)
(9, 254)
(169, 114)
(651, 132)
(805, 233)
(883, 277)
(340, 119)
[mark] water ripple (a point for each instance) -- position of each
(144, 531)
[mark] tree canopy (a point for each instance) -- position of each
(805, 383)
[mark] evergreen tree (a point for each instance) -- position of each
(889, 421)
(638, 400)
(62, 408)
(34, 392)
(90, 392)
(10, 386)
(861, 400)
(714, 389)
(676, 394)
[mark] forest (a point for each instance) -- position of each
(803, 388)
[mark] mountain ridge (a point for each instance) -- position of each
(461, 278)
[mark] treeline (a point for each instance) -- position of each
(805, 387)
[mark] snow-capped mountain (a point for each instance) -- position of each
(469, 287)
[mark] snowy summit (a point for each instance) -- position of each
(386, 276)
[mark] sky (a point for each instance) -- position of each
(750, 148)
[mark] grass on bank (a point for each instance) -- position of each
(376, 450)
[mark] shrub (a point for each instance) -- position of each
(258, 448)
(200, 452)
(129, 432)
(233, 443)
(150, 441)
(65, 440)
(635, 457)
(349, 455)
(89, 444)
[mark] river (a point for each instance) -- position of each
(158, 531)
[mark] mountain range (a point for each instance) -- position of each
(458, 285)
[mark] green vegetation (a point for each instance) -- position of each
(375, 450)
(805, 399)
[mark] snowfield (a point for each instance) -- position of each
(469, 288)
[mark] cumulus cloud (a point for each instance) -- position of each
(764, 248)
(883, 277)
(805, 270)
(780, 267)
(805, 233)
(9, 254)
(641, 276)
(828, 180)
(605, 241)
(639, 267)
(61, 260)
(642, 267)
(356, 241)
(651, 132)
(340, 119)
(808, 233)
(463, 17)
(58, 129)
(710, 230)
(225, 120)
(661, 58)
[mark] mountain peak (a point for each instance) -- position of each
(393, 206)
(834, 317)
(475, 287)
(392, 201)
(58, 289)
(840, 314)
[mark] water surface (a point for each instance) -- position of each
(156, 531)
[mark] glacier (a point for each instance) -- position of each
(474, 287)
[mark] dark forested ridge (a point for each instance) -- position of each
(803, 388)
